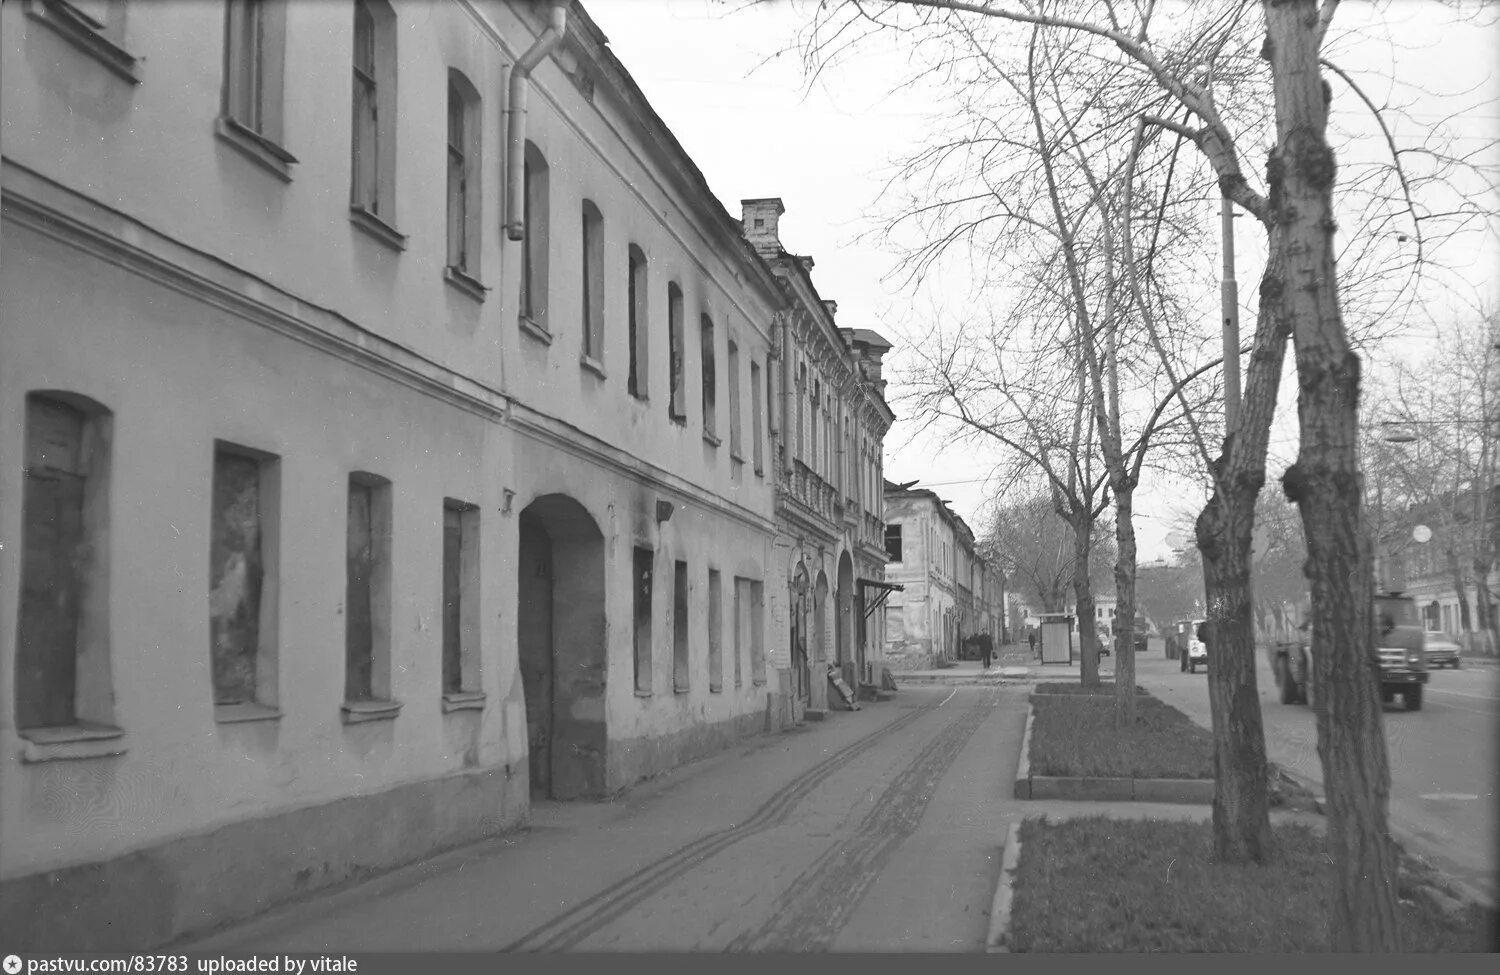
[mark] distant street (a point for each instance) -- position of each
(1445, 766)
(879, 830)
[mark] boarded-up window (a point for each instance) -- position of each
(52, 553)
(680, 627)
(236, 570)
(534, 244)
(677, 402)
(460, 598)
(757, 632)
(644, 569)
(710, 379)
(741, 609)
(732, 361)
(640, 329)
(367, 590)
(715, 632)
(592, 283)
(453, 550)
(757, 431)
(895, 624)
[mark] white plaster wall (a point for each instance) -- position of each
(177, 374)
(149, 150)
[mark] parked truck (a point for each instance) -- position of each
(1400, 647)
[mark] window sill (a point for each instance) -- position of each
(238, 713)
(84, 36)
(83, 740)
(255, 147)
(593, 365)
(736, 456)
(760, 472)
(680, 690)
(760, 682)
(536, 331)
(464, 283)
(678, 418)
(641, 693)
(716, 688)
(710, 439)
(463, 701)
(377, 228)
(358, 712)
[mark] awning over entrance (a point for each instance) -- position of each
(884, 589)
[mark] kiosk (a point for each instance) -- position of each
(1057, 638)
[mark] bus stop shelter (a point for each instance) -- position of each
(1057, 638)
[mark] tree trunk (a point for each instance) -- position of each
(1124, 608)
(1465, 621)
(1242, 804)
(1326, 484)
(1083, 599)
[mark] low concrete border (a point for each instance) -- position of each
(1088, 788)
(1023, 770)
(1004, 892)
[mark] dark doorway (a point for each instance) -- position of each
(560, 640)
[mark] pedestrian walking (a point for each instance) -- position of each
(986, 648)
(1031, 641)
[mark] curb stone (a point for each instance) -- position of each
(994, 941)
(1023, 771)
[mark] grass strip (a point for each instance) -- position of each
(1113, 885)
(1077, 734)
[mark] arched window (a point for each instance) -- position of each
(534, 243)
(372, 185)
(463, 177)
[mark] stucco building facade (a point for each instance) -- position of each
(949, 592)
(376, 465)
(829, 422)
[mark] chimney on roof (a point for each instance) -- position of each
(759, 219)
(804, 261)
(832, 306)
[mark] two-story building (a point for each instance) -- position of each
(830, 420)
(949, 593)
(386, 441)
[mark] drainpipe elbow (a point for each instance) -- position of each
(520, 73)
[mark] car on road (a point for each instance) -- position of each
(1141, 637)
(1197, 654)
(1440, 651)
(1399, 652)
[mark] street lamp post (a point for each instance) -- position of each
(1229, 304)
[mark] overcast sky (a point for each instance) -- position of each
(725, 80)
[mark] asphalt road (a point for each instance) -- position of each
(1445, 758)
(879, 830)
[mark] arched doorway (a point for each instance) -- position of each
(560, 639)
(820, 627)
(801, 672)
(844, 623)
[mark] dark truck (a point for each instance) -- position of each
(1400, 646)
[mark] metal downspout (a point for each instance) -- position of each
(515, 159)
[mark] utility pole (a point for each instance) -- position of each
(1230, 303)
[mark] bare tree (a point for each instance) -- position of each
(1299, 296)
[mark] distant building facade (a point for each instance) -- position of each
(949, 592)
(830, 419)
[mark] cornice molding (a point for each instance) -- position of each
(46, 207)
